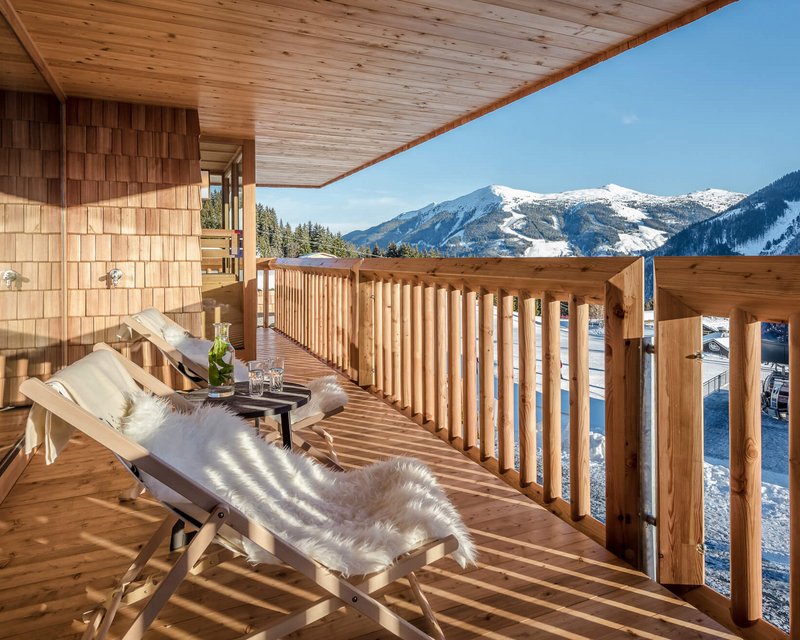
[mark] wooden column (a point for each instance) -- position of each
(406, 346)
(578, 408)
(366, 340)
(249, 278)
(441, 358)
(745, 463)
(454, 384)
(794, 476)
(469, 299)
(386, 329)
(397, 342)
(429, 355)
(505, 380)
(551, 397)
(418, 383)
(380, 353)
(486, 364)
(527, 388)
(624, 325)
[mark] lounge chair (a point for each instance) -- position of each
(71, 399)
(187, 353)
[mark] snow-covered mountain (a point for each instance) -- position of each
(500, 221)
(765, 223)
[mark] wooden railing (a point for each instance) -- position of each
(422, 333)
(748, 290)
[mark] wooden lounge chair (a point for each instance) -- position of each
(218, 520)
(153, 326)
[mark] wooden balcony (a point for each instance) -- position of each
(63, 528)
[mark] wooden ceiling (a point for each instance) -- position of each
(17, 71)
(329, 87)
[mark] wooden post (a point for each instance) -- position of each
(505, 380)
(406, 347)
(418, 383)
(366, 339)
(551, 397)
(397, 343)
(745, 464)
(249, 277)
(470, 370)
(455, 429)
(527, 388)
(380, 353)
(386, 329)
(429, 327)
(794, 476)
(441, 358)
(579, 495)
(354, 328)
(624, 325)
(680, 441)
(486, 363)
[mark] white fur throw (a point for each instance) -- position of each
(356, 522)
(326, 395)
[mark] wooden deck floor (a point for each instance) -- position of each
(62, 528)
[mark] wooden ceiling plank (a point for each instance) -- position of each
(54, 21)
(21, 32)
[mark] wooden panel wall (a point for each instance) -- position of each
(133, 202)
(30, 239)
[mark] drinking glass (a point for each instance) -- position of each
(255, 371)
(276, 374)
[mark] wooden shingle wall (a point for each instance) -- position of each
(132, 203)
(30, 239)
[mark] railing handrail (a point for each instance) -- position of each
(389, 306)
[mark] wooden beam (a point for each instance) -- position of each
(249, 282)
(18, 27)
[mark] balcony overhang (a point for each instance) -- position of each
(329, 88)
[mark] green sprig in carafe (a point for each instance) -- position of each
(220, 363)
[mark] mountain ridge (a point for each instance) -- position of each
(499, 220)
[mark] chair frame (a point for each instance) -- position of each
(340, 592)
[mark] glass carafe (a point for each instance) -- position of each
(220, 363)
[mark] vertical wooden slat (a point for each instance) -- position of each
(418, 383)
(470, 379)
(679, 409)
(486, 365)
(346, 313)
(366, 340)
(454, 385)
(429, 326)
(386, 329)
(331, 321)
(551, 397)
(406, 346)
(397, 342)
(794, 476)
(265, 299)
(505, 380)
(745, 464)
(354, 304)
(579, 495)
(441, 358)
(624, 328)
(339, 317)
(527, 388)
(380, 352)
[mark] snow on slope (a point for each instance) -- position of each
(500, 220)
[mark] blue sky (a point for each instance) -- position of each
(713, 104)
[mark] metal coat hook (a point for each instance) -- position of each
(114, 276)
(10, 277)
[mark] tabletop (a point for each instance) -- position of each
(272, 403)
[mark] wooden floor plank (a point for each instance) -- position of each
(62, 528)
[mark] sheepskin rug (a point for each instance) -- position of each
(355, 522)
